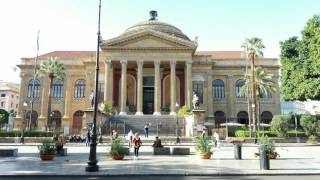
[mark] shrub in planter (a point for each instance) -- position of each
(311, 126)
(204, 146)
(47, 150)
(280, 125)
(270, 150)
(117, 150)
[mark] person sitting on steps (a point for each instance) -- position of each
(157, 143)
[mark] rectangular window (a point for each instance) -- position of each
(3, 104)
(3, 95)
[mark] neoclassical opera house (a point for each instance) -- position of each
(148, 71)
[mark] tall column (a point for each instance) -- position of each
(230, 93)
(123, 87)
(209, 95)
(157, 88)
(107, 77)
(188, 84)
(173, 95)
(139, 87)
(68, 85)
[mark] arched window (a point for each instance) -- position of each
(218, 89)
(239, 84)
(34, 85)
(243, 117)
(265, 96)
(79, 88)
(57, 89)
(220, 117)
(266, 117)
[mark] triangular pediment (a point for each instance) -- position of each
(148, 39)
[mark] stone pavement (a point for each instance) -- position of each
(294, 159)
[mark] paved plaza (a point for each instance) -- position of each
(294, 159)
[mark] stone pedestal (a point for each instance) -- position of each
(195, 122)
(88, 119)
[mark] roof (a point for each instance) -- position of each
(84, 54)
(157, 26)
(68, 54)
(221, 54)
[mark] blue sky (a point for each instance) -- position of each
(72, 24)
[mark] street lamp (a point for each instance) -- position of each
(25, 105)
(177, 125)
(92, 163)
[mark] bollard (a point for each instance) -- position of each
(237, 150)
(264, 159)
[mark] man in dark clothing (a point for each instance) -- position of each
(157, 143)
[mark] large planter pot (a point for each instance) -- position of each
(46, 157)
(118, 157)
(205, 156)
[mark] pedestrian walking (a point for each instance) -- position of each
(136, 141)
(129, 138)
(88, 138)
(146, 130)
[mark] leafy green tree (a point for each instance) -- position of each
(280, 124)
(54, 70)
(311, 124)
(300, 60)
(184, 111)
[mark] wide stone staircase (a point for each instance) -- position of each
(164, 125)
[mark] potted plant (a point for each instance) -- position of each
(204, 146)
(270, 150)
(47, 150)
(117, 151)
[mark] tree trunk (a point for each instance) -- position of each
(253, 94)
(49, 101)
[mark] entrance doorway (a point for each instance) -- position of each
(148, 101)
(148, 94)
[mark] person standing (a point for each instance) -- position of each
(129, 138)
(136, 141)
(146, 130)
(88, 138)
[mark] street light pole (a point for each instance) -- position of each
(23, 123)
(92, 163)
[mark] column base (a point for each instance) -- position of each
(123, 114)
(139, 113)
(173, 113)
(157, 114)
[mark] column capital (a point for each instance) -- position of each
(140, 62)
(123, 61)
(108, 61)
(188, 62)
(172, 62)
(156, 62)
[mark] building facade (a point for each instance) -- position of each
(9, 96)
(151, 69)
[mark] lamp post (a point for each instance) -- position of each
(177, 126)
(92, 163)
(25, 105)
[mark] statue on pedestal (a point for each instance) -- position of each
(195, 101)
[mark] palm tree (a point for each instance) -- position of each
(263, 83)
(253, 48)
(54, 70)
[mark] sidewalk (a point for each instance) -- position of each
(293, 160)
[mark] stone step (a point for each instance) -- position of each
(164, 124)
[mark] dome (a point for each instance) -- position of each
(156, 25)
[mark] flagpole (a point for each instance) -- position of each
(92, 163)
(33, 82)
